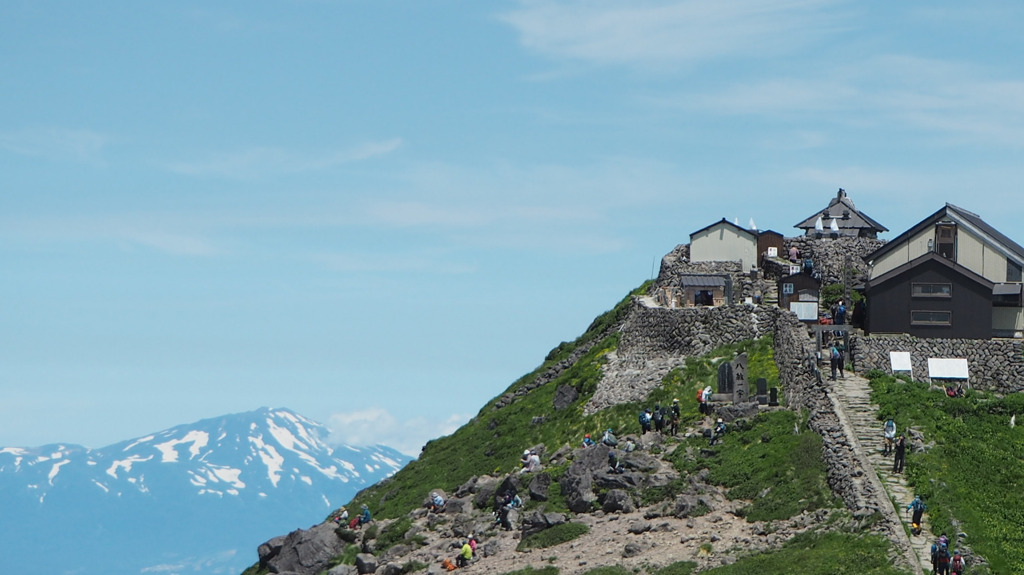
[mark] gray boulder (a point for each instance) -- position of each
(342, 570)
(307, 551)
(539, 486)
(565, 395)
(365, 563)
(617, 500)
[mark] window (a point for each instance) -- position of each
(931, 290)
(928, 317)
(945, 240)
(1012, 271)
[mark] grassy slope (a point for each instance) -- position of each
(768, 452)
(974, 473)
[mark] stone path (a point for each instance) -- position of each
(854, 394)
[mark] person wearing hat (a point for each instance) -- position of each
(436, 502)
(673, 425)
(587, 442)
(365, 516)
(718, 432)
(465, 555)
(900, 455)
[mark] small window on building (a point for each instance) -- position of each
(929, 317)
(945, 240)
(1013, 272)
(931, 290)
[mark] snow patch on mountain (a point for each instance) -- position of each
(169, 451)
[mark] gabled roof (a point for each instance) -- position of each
(692, 280)
(959, 215)
(846, 214)
(932, 256)
(745, 231)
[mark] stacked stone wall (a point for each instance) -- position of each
(805, 389)
(993, 365)
(829, 255)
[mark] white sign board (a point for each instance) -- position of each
(947, 368)
(773, 252)
(805, 311)
(900, 361)
(793, 270)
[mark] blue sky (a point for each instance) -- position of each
(381, 214)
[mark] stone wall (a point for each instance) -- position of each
(829, 255)
(655, 340)
(994, 365)
(805, 389)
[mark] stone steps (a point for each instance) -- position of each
(854, 395)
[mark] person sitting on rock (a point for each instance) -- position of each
(587, 442)
(472, 543)
(613, 463)
(436, 503)
(342, 517)
(365, 516)
(717, 432)
(465, 555)
(609, 439)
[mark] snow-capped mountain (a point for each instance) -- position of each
(220, 486)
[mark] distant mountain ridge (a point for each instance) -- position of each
(188, 499)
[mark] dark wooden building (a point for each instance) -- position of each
(802, 288)
(841, 218)
(931, 296)
(771, 239)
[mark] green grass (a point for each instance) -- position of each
(677, 568)
(818, 554)
(553, 536)
(767, 454)
(975, 472)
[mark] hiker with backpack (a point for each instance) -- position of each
(958, 565)
(587, 442)
(918, 507)
(833, 361)
(941, 560)
(465, 555)
(609, 438)
(704, 400)
(436, 503)
(659, 418)
(889, 436)
(674, 423)
(645, 421)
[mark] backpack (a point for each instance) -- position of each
(918, 505)
(700, 396)
(958, 563)
(644, 418)
(835, 353)
(942, 557)
(658, 416)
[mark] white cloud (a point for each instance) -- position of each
(268, 161)
(659, 33)
(377, 426)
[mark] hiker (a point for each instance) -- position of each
(524, 460)
(840, 313)
(436, 503)
(936, 546)
(613, 463)
(888, 436)
(530, 461)
(841, 361)
(365, 516)
(958, 565)
(472, 543)
(609, 438)
(833, 361)
(941, 559)
(587, 442)
(342, 517)
(901, 455)
(645, 421)
(918, 507)
(674, 422)
(465, 554)
(659, 418)
(717, 432)
(704, 400)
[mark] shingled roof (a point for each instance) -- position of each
(849, 220)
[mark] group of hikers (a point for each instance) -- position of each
(944, 561)
(660, 418)
(530, 461)
(356, 522)
(467, 551)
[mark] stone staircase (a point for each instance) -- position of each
(854, 396)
